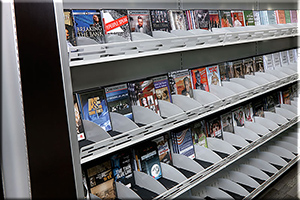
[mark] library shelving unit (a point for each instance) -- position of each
(40, 155)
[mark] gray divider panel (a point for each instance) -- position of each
(289, 108)
(262, 165)
(292, 148)
(246, 133)
(266, 76)
(168, 109)
(185, 103)
(216, 193)
(294, 103)
(94, 132)
(244, 82)
(144, 115)
(266, 123)
(235, 87)
(143, 180)
(242, 178)
(253, 171)
(205, 98)
(221, 92)
(257, 128)
(280, 151)
(220, 146)
(124, 192)
(285, 70)
(234, 139)
(290, 140)
(276, 73)
(232, 187)
(272, 158)
(121, 123)
(186, 163)
(275, 117)
(257, 79)
(205, 154)
(171, 173)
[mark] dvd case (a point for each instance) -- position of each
(139, 21)
(199, 79)
(160, 20)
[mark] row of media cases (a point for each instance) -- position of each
(99, 26)
(102, 114)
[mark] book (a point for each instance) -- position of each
(213, 75)
(248, 65)
(225, 18)
(276, 59)
(160, 20)
(237, 18)
(249, 18)
(226, 71)
(214, 128)
(294, 17)
(256, 15)
(214, 20)
(148, 159)
(280, 16)
(199, 133)
(272, 17)
(101, 181)
(202, 19)
(118, 100)
(78, 121)
(271, 101)
(69, 28)
(139, 21)
(287, 15)
(184, 142)
(238, 71)
(258, 108)
(199, 79)
(284, 58)
(163, 149)
(116, 23)
(248, 111)
(162, 88)
(227, 122)
(180, 83)
(268, 62)
(264, 20)
(94, 108)
(259, 64)
(142, 93)
(238, 116)
(121, 167)
(177, 20)
(190, 20)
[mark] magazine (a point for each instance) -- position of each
(160, 20)
(162, 88)
(259, 64)
(69, 27)
(139, 21)
(264, 20)
(163, 149)
(78, 120)
(238, 117)
(287, 16)
(199, 79)
(226, 72)
(180, 83)
(271, 101)
(249, 66)
(184, 142)
(199, 133)
(213, 75)
(258, 108)
(272, 17)
(280, 16)
(238, 18)
(256, 15)
(214, 128)
(177, 20)
(249, 18)
(225, 18)
(227, 122)
(248, 111)
(293, 15)
(238, 69)
(214, 20)
(190, 20)
(202, 19)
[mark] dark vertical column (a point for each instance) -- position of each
(49, 152)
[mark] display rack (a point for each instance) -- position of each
(39, 68)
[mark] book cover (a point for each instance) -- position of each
(238, 116)
(249, 66)
(215, 128)
(248, 111)
(280, 16)
(284, 58)
(142, 93)
(225, 18)
(184, 142)
(271, 101)
(163, 149)
(69, 28)
(294, 17)
(249, 18)
(118, 100)
(94, 108)
(116, 23)
(264, 20)
(177, 20)
(88, 24)
(238, 69)
(202, 19)
(149, 159)
(78, 120)
(268, 62)
(256, 15)
(259, 64)
(199, 133)
(226, 72)
(276, 59)
(160, 20)
(121, 167)
(227, 122)
(272, 17)
(214, 20)
(287, 16)
(162, 88)
(190, 20)
(237, 18)
(258, 108)
(213, 75)
(139, 21)
(199, 79)
(101, 181)
(180, 83)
